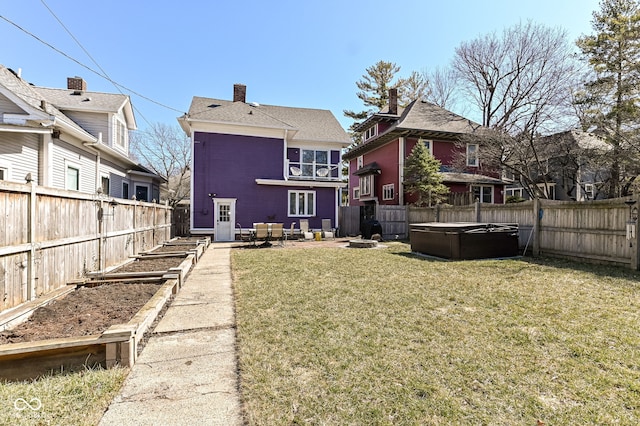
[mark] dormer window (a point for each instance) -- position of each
(370, 132)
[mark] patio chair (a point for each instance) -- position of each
(291, 234)
(327, 230)
(261, 234)
(304, 229)
(244, 236)
(277, 233)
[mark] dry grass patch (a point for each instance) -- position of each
(78, 398)
(347, 336)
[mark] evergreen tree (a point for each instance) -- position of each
(611, 97)
(374, 92)
(422, 177)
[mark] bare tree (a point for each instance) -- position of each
(442, 87)
(519, 80)
(167, 151)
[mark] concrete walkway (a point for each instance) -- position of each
(187, 372)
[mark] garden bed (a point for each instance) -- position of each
(100, 320)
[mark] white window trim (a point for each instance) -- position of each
(69, 164)
(484, 186)
(390, 187)
(6, 166)
(105, 176)
(517, 192)
(119, 124)
(475, 156)
(356, 193)
(589, 191)
(313, 205)
(370, 132)
(366, 182)
(359, 162)
(421, 140)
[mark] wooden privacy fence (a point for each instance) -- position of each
(49, 237)
(593, 231)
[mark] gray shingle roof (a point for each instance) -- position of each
(32, 96)
(309, 124)
(425, 116)
(65, 99)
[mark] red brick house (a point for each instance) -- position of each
(376, 164)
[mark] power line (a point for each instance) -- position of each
(87, 67)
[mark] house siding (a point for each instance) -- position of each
(64, 152)
(256, 158)
(213, 172)
(8, 107)
(20, 150)
(92, 122)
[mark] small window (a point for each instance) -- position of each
(302, 203)
(472, 155)
(125, 190)
(142, 193)
(105, 185)
(588, 191)
(370, 132)
(72, 178)
(3, 174)
(356, 193)
(360, 162)
(514, 192)
(388, 191)
(121, 135)
(366, 185)
(428, 143)
(483, 193)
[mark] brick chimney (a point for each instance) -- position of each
(393, 101)
(239, 93)
(76, 83)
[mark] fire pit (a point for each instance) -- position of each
(363, 243)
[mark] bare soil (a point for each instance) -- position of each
(86, 311)
(91, 310)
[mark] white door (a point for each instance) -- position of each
(225, 219)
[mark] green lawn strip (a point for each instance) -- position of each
(348, 336)
(78, 398)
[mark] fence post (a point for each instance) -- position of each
(537, 213)
(635, 241)
(31, 255)
(478, 213)
(438, 212)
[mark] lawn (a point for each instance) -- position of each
(78, 398)
(353, 336)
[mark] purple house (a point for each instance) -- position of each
(261, 163)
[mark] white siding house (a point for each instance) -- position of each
(70, 139)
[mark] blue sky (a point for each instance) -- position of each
(293, 53)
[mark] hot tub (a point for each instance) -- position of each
(465, 240)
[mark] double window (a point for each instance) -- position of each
(366, 185)
(302, 203)
(315, 162)
(388, 191)
(482, 193)
(370, 132)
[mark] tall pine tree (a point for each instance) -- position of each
(422, 177)
(612, 96)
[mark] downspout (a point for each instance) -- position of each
(90, 145)
(285, 172)
(401, 155)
